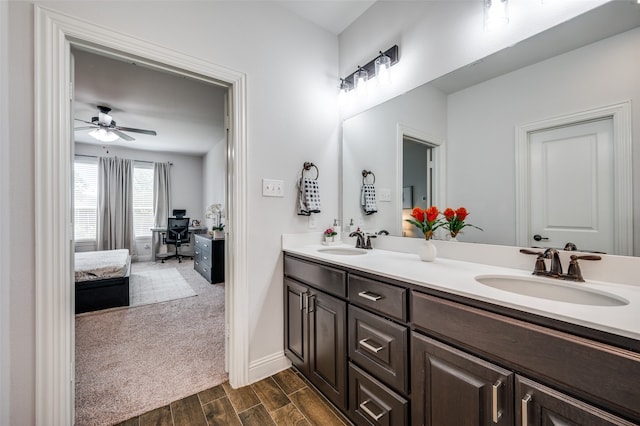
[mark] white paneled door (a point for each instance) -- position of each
(572, 186)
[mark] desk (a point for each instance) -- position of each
(185, 249)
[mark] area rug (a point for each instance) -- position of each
(157, 286)
(133, 360)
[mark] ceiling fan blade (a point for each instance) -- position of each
(83, 121)
(146, 132)
(84, 127)
(122, 135)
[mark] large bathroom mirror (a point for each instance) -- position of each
(465, 140)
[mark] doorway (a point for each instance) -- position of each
(55, 35)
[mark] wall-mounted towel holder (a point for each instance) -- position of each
(307, 166)
(366, 173)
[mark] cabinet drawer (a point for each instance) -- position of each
(203, 245)
(379, 346)
(589, 370)
(333, 281)
(387, 299)
(372, 403)
(203, 269)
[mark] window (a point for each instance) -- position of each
(85, 187)
(143, 217)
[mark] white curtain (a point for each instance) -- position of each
(115, 205)
(161, 193)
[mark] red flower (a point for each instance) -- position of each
(449, 213)
(461, 214)
(418, 214)
(432, 213)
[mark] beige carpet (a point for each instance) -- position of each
(130, 361)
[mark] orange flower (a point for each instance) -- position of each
(449, 213)
(432, 213)
(418, 214)
(461, 213)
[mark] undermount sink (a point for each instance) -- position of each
(343, 251)
(547, 288)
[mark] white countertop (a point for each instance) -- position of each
(458, 277)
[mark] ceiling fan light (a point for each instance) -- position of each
(103, 135)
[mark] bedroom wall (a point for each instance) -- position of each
(214, 165)
(187, 181)
(292, 118)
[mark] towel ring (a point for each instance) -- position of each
(366, 173)
(307, 166)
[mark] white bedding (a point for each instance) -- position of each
(96, 265)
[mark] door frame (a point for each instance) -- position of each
(55, 34)
(620, 113)
(439, 159)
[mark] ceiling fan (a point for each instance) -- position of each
(105, 128)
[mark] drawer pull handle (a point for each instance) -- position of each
(496, 413)
(204, 257)
(363, 407)
(370, 296)
(525, 410)
(370, 347)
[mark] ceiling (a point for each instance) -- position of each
(188, 115)
(332, 15)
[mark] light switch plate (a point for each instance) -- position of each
(272, 188)
(384, 194)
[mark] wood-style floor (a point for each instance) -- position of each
(285, 398)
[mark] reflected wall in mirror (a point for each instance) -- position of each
(479, 122)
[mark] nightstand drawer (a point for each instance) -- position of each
(203, 269)
(385, 298)
(203, 246)
(379, 346)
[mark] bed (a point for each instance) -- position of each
(102, 279)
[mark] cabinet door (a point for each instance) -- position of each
(451, 387)
(327, 346)
(296, 324)
(539, 405)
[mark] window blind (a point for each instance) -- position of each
(85, 187)
(142, 199)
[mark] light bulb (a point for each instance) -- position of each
(383, 70)
(103, 135)
(496, 14)
(360, 81)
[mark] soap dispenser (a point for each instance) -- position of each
(337, 229)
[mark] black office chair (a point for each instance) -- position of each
(177, 234)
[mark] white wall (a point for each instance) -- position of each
(292, 117)
(370, 142)
(437, 37)
(482, 120)
(214, 166)
(5, 216)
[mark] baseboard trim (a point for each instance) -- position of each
(268, 366)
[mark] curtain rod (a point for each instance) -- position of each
(139, 161)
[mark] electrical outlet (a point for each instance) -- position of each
(313, 222)
(272, 188)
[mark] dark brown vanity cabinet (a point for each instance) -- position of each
(539, 405)
(387, 352)
(316, 330)
(451, 387)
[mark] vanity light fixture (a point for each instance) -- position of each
(383, 69)
(360, 78)
(496, 14)
(378, 67)
(103, 135)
